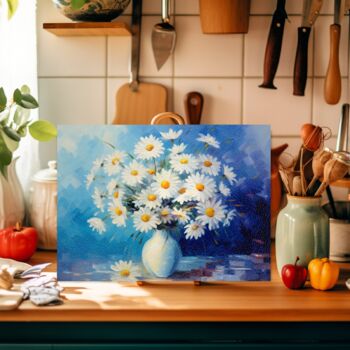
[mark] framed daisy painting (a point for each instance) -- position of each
(164, 202)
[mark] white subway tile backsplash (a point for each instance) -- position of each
(285, 112)
(255, 44)
(323, 113)
(186, 7)
(264, 7)
(197, 54)
(222, 99)
(114, 84)
(119, 53)
(322, 46)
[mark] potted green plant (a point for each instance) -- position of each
(15, 124)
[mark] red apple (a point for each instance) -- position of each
(294, 276)
(17, 242)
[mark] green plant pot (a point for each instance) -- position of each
(93, 10)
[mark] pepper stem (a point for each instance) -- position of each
(18, 226)
(296, 261)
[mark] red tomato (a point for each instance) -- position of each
(18, 243)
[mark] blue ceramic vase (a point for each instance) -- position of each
(93, 10)
(302, 231)
(161, 254)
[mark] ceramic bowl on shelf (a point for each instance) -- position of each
(92, 10)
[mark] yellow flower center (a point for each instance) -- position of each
(164, 212)
(165, 184)
(210, 212)
(124, 273)
(115, 160)
(152, 197)
(134, 172)
(145, 218)
(118, 211)
(200, 187)
(116, 194)
(151, 171)
(184, 161)
(182, 190)
(149, 147)
(195, 227)
(207, 163)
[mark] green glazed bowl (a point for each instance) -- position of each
(93, 10)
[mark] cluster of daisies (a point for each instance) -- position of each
(161, 186)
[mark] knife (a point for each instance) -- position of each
(311, 10)
(332, 86)
(274, 44)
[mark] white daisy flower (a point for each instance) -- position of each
(229, 174)
(118, 213)
(165, 215)
(148, 198)
(211, 213)
(181, 215)
(171, 134)
(209, 164)
(200, 187)
(113, 162)
(177, 149)
(98, 199)
(145, 220)
(151, 171)
(89, 179)
(97, 164)
(149, 147)
(209, 140)
(115, 190)
(96, 224)
(166, 184)
(229, 216)
(194, 230)
(125, 270)
(224, 190)
(183, 163)
(183, 196)
(134, 173)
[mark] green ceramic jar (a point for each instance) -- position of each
(302, 231)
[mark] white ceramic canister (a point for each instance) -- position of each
(43, 206)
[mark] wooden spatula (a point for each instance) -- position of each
(194, 107)
(138, 103)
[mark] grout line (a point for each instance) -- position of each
(242, 80)
(171, 76)
(106, 80)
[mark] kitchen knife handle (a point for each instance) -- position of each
(332, 86)
(300, 65)
(194, 106)
(273, 46)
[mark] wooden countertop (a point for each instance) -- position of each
(239, 301)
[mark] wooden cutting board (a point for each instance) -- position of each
(141, 106)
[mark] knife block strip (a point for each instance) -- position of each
(224, 16)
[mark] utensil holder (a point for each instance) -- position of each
(224, 16)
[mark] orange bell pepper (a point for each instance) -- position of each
(323, 273)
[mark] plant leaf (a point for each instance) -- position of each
(5, 153)
(25, 100)
(42, 130)
(25, 89)
(77, 4)
(12, 134)
(10, 143)
(12, 7)
(21, 115)
(3, 100)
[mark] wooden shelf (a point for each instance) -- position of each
(88, 29)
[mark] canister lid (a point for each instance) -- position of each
(47, 175)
